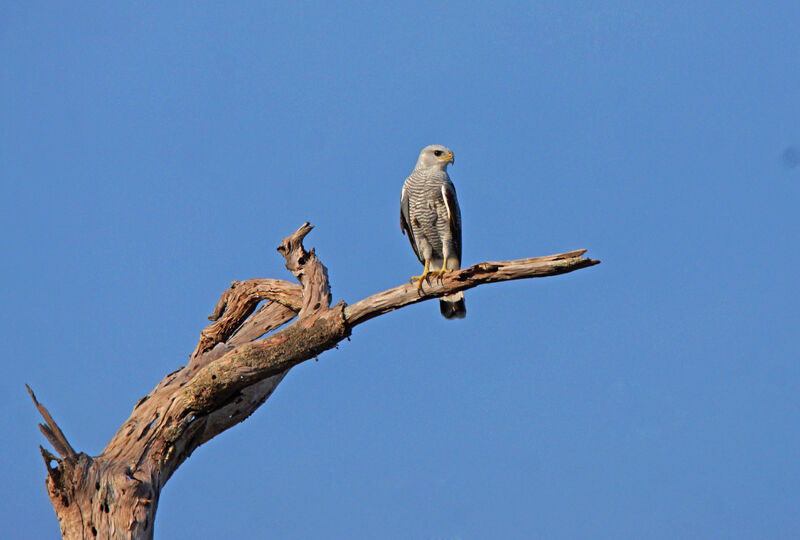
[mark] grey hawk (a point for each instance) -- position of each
(430, 215)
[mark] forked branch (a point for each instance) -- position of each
(230, 374)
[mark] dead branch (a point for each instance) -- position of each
(461, 280)
(52, 432)
(231, 373)
(238, 303)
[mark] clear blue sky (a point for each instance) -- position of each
(150, 154)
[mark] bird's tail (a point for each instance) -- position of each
(452, 306)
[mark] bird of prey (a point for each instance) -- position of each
(429, 214)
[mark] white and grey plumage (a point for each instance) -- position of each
(430, 215)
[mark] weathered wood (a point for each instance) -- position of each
(461, 280)
(231, 373)
(52, 432)
(238, 303)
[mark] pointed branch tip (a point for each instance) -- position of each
(295, 239)
(51, 430)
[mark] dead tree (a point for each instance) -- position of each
(230, 374)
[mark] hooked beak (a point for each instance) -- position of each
(449, 158)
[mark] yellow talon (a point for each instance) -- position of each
(443, 271)
(425, 273)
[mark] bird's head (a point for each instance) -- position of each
(435, 155)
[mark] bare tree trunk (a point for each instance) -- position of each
(230, 374)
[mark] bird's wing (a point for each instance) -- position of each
(453, 214)
(405, 223)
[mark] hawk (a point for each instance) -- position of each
(429, 214)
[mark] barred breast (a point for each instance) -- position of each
(426, 207)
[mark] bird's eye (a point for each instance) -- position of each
(437, 153)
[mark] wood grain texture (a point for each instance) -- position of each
(238, 303)
(232, 371)
(461, 280)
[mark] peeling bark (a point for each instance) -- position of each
(230, 374)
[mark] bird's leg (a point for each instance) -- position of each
(443, 270)
(425, 273)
